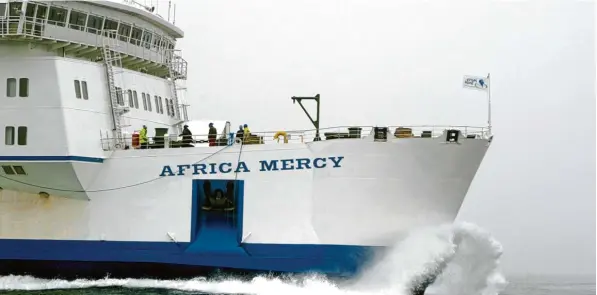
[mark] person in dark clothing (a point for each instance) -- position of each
(187, 137)
(213, 133)
(240, 132)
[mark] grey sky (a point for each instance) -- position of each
(401, 62)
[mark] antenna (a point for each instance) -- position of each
(149, 9)
(174, 17)
(169, 8)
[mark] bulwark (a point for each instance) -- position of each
(264, 166)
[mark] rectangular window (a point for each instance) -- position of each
(110, 25)
(162, 43)
(136, 36)
(57, 16)
(12, 170)
(147, 37)
(148, 102)
(156, 41)
(119, 98)
(124, 31)
(23, 87)
(168, 106)
(42, 12)
(9, 135)
(22, 135)
(135, 99)
(15, 9)
(8, 170)
(30, 10)
(77, 20)
(157, 104)
(129, 93)
(167, 45)
(161, 106)
(84, 87)
(94, 24)
(2, 9)
(144, 101)
(173, 108)
(19, 170)
(77, 89)
(11, 87)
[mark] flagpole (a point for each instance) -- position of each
(489, 104)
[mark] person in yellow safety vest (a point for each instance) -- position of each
(246, 132)
(143, 137)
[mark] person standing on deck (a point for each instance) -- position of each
(240, 132)
(187, 136)
(213, 133)
(143, 138)
(246, 133)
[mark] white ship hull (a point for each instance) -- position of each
(71, 202)
(293, 216)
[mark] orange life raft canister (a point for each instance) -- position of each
(135, 140)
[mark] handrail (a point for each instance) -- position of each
(308, 135)
(26, 26)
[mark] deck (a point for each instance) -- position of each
(162, 140)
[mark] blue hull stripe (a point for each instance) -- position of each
(52, 158)
(340, 260)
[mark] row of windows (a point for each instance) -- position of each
(20, 135)
(22, 88)
(79, 20)
(12, 170)
(133, 101)
(146, 99)
(81, 92)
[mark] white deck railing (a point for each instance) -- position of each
(301, 136)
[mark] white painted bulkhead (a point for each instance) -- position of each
(57, 122)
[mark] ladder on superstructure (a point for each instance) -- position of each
(176, 71)
(112, 59)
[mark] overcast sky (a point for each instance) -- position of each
(401, 62)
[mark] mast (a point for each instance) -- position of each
(489, 104)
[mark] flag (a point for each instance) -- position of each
(475, 82)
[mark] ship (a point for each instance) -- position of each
(97, 180)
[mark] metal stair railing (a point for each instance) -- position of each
(112, 58)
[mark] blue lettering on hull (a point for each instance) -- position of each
(264, 166)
